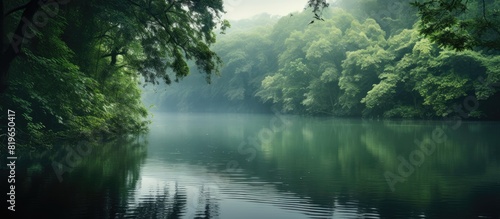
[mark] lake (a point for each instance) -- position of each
(270, 166)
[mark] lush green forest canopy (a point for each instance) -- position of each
(75, 68)
(461, 24)
(356, 59)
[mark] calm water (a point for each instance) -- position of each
(269, 166)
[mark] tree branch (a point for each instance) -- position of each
(134, 3)
(484, 10)
(123, 52)
(15, 9)
(14, 48)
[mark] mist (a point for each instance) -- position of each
(250, 109)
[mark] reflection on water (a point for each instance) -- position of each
(314, 168)
(97, 186)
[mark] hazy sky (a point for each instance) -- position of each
(240, 9)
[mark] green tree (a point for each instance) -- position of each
(288, 87)
(394, 95)
(459, 24)
(166, 33)
(363, 63)
(77, 74)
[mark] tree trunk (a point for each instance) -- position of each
(14, 47)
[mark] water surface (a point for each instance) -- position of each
(272, 166)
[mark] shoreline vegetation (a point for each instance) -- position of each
(352, 64)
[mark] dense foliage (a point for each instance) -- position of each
(357, 60)
(461, 24)
(76, 73)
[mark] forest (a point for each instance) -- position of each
(373, 62)
(286, 109)
(72, 68)
(81, 67)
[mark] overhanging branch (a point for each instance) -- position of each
(14, 49)
(15, 9)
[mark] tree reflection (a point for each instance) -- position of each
(331, 166)
(96, 187)
(347, 159)
(337, 163)
(165, 205)
(209, 208)
(162, 205)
